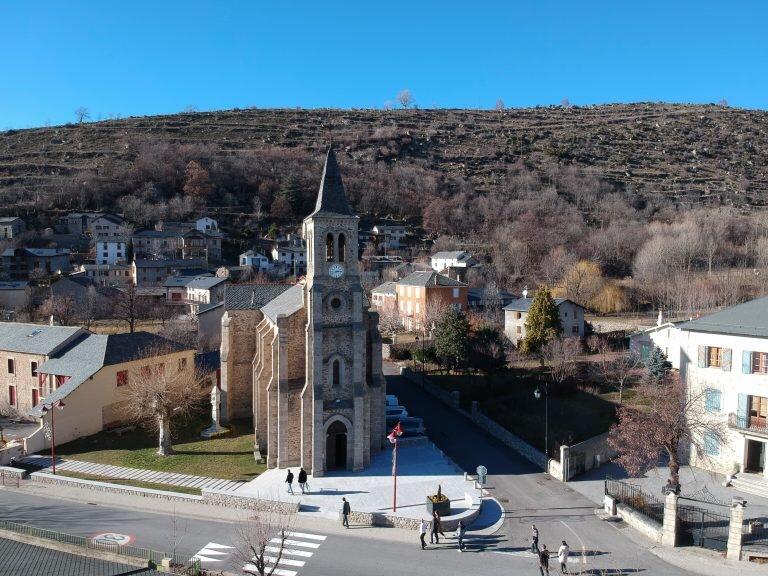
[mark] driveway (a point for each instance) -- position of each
(13, 430)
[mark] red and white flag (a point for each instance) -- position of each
(397, 431)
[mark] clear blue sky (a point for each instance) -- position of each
(139, 57)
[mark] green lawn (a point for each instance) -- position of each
(135, 483)
(227, 457)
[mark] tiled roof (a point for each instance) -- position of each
(252, 296)
(34, 338)
(332, 199)
(289, 302)
(747, 319)
(524, 304)
(429, 278)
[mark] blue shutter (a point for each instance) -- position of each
(712, 399)
(711, 444)
(702, 356)
(725, 363)
(743, 409)
(746, 362)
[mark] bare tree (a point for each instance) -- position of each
(390, 321)
(499, 105)
(61, 308)
(559, 355)
(161, 393)
(618, 367)
(434, 310)
(128, 306)
(672, 421)
(262, 541)
(181, 329)
(258, 209)
(405, 98)
(82, 114)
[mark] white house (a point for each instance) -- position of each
(389, 235)
(107, 226)
(206, 224)
(723, 358)
(206, 289)
(111, 251)
(11, 227)
(516, 313)
(292, 259)
(665, 336)
(255, 260)
(451, 259)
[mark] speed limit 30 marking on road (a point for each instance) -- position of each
(112, 539)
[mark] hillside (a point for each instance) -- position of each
(676, 153)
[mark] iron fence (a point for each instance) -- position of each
(130, 551)
(632, 496)
(10, 479)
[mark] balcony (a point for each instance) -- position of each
(752, 424)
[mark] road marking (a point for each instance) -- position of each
(221, 546)
(290, 551)
(286, 561)
(112, 539)
(212, 549)
(276, 572)
(305, 535)
(296, 543)
(583, 547)
(205, 558)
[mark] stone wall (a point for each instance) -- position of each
(230, 500)
(9, 452)
(596, 451)
(515, 442)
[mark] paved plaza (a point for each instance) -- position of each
(421, 468)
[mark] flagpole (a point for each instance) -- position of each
(394, 469)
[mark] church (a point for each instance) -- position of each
(305, 359)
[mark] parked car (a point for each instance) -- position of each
(392, 400)
(397, 411)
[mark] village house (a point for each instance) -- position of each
(209, 325)
(453, 263)
(665, 336)
(176, 289)
(483, 299)
(111, 251)
(205, 290)
(14, 295)
(78, 223)
(256, 261)
(11, 227)
(384, 296)
(109, 274)
(23, 263)
(108, 226)
(85, 292)
(723, 358)
(422, 296)
(516, 313)
(291, 260)
(155, 272)
(389, 235)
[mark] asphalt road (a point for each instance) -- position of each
(527, 495)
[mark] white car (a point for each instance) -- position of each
(392, 400)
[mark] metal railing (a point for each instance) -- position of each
(131, 551)
(632, 496)
(750, 423)
(7, 479)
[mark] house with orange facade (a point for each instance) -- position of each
(422, 296)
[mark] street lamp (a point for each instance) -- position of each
(537, 394)
(50, 408)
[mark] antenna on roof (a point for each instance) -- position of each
(525, 292)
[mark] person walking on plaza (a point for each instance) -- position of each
(436, 529)
(562, 556)
(460, 530)
(303, 481)
(544, 560)
(289, 481)
(423, 533)
(534, 539)
(345, 511)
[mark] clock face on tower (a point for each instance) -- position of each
(336, 270)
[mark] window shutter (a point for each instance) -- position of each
(702, 356)
(725, 364)
(743, 408)
(746, 362)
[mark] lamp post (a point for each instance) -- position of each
(50, 408)
(537, 394)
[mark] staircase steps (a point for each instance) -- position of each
(751, 483)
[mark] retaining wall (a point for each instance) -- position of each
(640, 522)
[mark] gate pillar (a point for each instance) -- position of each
(736, 529)
(669, 528)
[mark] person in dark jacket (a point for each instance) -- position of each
(434, 534)
(289, 481)
(345, 511)
(303, 481)
(544, 560)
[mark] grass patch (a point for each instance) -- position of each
(229, 457)
(135, 483)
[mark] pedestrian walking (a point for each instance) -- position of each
(303, 481)
(423, 533)
(562, 556)
(460, 530)
(534, 539)
(434, 536)
(289, 481)
(544, 560)
(345, 511)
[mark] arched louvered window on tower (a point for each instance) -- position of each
(342, 247)
(336, 367)
(329, 248)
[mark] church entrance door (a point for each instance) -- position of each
(336, 446)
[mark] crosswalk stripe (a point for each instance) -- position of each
(286, 561)
(289, 551)
(276, 572)
(305, 535)
(205, 558)
(296, 543)
(221, 546)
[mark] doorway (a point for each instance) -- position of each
(336, 446)
(755, 457)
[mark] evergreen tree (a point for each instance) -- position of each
(657, 366)
(542, 323)
(290, 190)
(452, 339)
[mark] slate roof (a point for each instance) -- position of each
(289, 302)
(115, 219)
(34, 338)
(41, 252)
(332, 199)
(13, 285)
(177, 281)
(429, 278)
(203, 308)
(387, 288)
(208, 362)
(450, 255)
(524, 304)
(8, 219)
(252, 296)
(127, 347)
(205, 282)
(747, 319)
(169, 262)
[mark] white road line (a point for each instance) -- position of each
(583, 548)
(305, 535)
(222, 546)
(296, 543)
(276, 572)
(289, 551)
(286, 561)
(205, 558)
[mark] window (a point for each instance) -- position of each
(565, 314)
(35, 396)
(575, 329)
(759, 362)
(518, 315)
(33, 368)
(714, 356)
(711, 444)
(712, 400)
(11, 366)
(758, 409)
(182, 363)
(329, 248)
(336, 373)
(12, 395)
(342, 247)
(122, 378)
(518, 329)
(455, 292)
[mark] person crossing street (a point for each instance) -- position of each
(289, 482)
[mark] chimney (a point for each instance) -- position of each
(50, 321)
(525, 292)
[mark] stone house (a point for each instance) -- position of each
(14, 295)
(11, 227)
(154, 272)
(421, 296)
(23, 263)
(384, 296)
(109, 274)
(85, 291)
(108, 226)
(516, 313)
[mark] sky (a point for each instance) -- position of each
(135, 58)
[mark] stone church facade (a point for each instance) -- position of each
(305, 360)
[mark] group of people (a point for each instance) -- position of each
(435, 528)
(303, 484)
(543, 554)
